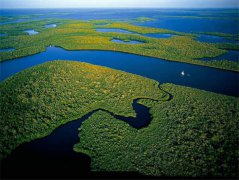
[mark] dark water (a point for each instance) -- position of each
(53, 156)
(210, 79)
(215, 39)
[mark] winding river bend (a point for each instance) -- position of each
(53, 156)
(205, 78)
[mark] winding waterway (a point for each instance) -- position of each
(205, 78)
(53, 156)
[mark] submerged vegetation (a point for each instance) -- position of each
(36, 101)
(194, 134)
(82, 35)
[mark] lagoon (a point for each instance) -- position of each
(159, 35)
(114, 30)
(31, 32)
(54, 153)
(7, 50)
(126, 42)
(50, 25)
(153, 35)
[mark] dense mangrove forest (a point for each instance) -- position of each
(110, 93)
(82, 35)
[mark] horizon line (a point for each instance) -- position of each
(124, 8)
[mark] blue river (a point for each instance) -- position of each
(210, 79)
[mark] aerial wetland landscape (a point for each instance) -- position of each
(107, 93)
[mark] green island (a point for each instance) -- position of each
(36, 101)
(83, 35)
(193, 135)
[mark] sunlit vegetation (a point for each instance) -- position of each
(141, 29)
(228, 46)
(194, 134)
(82, 35)
(143, 19)
(224, 64)
(18, 28)
(4, 19)
(36, 101)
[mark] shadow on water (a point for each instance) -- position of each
(53, 156)
(230, 56)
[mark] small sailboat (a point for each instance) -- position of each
(182, 73)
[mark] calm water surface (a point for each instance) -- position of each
(215, 39)
(7, 50)
(210, 79)
(130, 32)
(159, 35)
(126, 42)
(114, 30)
(53, 155)
(184, 20)
(31, 32)
(50, 26)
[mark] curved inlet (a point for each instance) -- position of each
(126, 42)
(53, 156)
